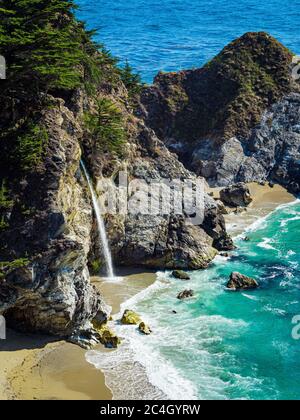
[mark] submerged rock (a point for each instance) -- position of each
(144, 329)
(130, 318)
(185, 294)
(239, 281)
(179, 274)
(236, 196)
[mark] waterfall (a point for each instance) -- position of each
(100, 223)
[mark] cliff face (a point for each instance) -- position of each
(160, 240)
(48, 238)
(207, 115)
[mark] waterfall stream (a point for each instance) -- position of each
(101, 227)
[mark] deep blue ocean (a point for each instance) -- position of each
(221, 344)
(170, 35)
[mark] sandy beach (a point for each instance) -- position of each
(265, 200)
(38, 367)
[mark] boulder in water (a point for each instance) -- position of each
(179, 274)
(130, 318)
(185, 294)
(239, 281)
(144, 329)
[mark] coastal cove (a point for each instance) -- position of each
(149, 232)
(206, 346)
(49, 372)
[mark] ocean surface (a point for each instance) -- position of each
(220, 344)
(170, 35)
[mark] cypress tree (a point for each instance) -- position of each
(44, 46)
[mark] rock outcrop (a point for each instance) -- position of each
(182, 275)
(234, 120)
(239, 281)
(144, 329)
(50, 225)
(185, 294)
(130, 318)
(237, 195)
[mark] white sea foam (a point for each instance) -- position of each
(266, 243)
(137, 370)
(251, 297)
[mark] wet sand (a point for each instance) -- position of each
(36, 367)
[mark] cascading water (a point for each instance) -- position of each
(100, 223)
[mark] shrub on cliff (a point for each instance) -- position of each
(106, 126)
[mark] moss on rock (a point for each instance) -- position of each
(130, 318)
(144, 328)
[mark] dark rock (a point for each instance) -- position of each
(179, 274)
(144, 329)
(236, 196)
(239, 281)
(185, 294)
(224, 254)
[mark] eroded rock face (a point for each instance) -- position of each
(237, 195)
(162, 240)
(239, 281)
(226, 121)
(52, 292)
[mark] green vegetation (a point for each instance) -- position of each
(30, 146)
(107, 127)
(44, 46)
(5, 201)
(95, 267)
(6, 267)
(131, 80)
(5, 204)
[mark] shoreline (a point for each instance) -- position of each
(40, 368)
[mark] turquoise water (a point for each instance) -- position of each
(231, 344)
(220, 344)
(177, 34)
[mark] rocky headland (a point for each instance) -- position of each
(237, 118)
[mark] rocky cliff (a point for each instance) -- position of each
(65, 102)
(235, 119)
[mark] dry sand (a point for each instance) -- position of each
(35, 367)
